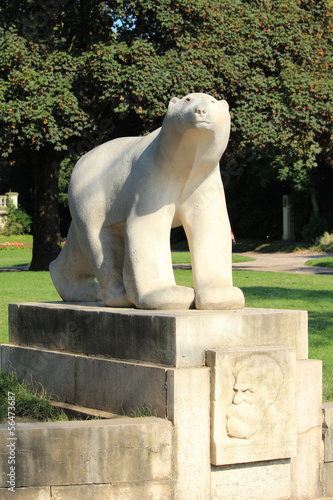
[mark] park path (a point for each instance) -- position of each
(278, 263)
(283, 262)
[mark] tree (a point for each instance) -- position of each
(77, 72)
(41, 113)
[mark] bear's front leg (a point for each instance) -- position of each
(148, 274)
(206, 223)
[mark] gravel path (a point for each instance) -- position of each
(283, 262)
(278, 263)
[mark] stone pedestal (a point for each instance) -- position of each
(187, 366)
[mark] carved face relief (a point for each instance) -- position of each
(253, 413)
(255, 390)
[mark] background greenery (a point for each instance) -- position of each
(77, 73)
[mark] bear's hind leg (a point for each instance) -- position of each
(72, 273)
(108, 258)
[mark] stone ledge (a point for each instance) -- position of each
(157, 490)
(87, 452)
(169, 338)
(103, 384)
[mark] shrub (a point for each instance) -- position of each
(326, 242)
(17, 221)
(314, 228)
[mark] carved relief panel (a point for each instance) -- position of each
(252, 404)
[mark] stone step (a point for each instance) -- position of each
(82, 411)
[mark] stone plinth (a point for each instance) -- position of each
(170, 338)
(305, 467)
(120, 359)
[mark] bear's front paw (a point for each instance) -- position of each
(219, 297)
(169, 297)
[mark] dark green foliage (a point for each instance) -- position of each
(316, 226)
(17, 221)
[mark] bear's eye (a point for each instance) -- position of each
(188, 99)
(213, 102)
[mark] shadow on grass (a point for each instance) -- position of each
(310, 298)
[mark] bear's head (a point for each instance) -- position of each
(200, 111)
(202, 116)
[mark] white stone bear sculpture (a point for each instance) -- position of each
(127, 194)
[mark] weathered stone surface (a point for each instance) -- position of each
(41, 493)
(305, 467)
(260, 481)
(98, 383)
(252, 404)
(152, 490)
(188, 408)
(328, 431)
(160, 490)
(86, 452)
(328, 479)
(171, 338)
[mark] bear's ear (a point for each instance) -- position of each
(173, 100)
(224, 104)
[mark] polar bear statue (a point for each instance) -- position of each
(127, 194)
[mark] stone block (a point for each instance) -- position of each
(188, 407)
(328, 431)
(39, 493)
(89, 452)
(305, 467)
(171, 338)
(252, 404)
(260, 481)
(328, 479)
(147, 491)
(98, 383)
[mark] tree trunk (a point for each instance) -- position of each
(46, 228)
(314, 202)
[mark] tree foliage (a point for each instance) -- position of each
(74, 73)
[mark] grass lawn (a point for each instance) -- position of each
(23, 257)
(185, 258)
(321, 262)
(313, 293)
(10, 258)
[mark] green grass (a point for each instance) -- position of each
(185, 258)
(10, 258)
(313, 293)
(321, 262)
(31, 403)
